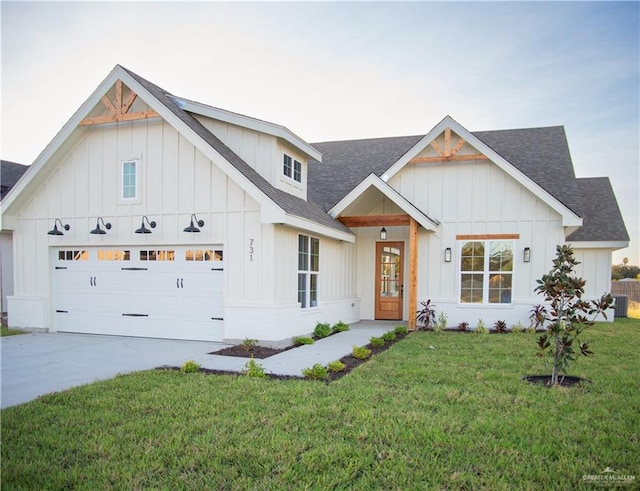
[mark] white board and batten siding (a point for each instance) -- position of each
(478, 198)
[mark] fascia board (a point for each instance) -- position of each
(569, 218)
(62, 136)
(315, 228)
(612, 245)
(250, 123)
(266, 204)
(389, 192)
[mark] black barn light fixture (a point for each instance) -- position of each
(143, 229)
(98, 230)
(383, 233)
(55, 230)
(192, 228)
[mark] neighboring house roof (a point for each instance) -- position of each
(602, 218)
(10, 173)
(290, 204)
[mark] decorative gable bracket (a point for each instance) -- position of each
(447, 154)
(119, 109)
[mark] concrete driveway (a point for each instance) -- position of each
(40, 363)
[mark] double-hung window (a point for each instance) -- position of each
(308, 268)
(292, 168)
(486, 271)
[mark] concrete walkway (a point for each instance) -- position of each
(40, 363)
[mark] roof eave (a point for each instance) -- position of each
(251, 123)
(612, 245)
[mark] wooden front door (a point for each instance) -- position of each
(389, 282)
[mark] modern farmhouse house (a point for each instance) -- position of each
(153, 215)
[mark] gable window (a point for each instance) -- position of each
(308, 268)
(292, 168)
(297, 171)
(486, 271)
(287, 165)
(129, 179)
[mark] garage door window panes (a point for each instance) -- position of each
(73, 255)
(203, 255)
(164, 255)
(113, 255)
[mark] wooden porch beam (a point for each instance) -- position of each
(375, 220)
(413, 274)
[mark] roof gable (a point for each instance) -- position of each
(10, 174)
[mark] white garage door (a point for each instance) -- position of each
(158, 292)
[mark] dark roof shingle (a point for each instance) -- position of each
(10, 173)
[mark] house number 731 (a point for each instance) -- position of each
(250, 249)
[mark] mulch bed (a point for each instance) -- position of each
(261, 352)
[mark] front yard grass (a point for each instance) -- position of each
(7, 331)
(436, 411)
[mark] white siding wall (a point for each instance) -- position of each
(277, 316)
(477, 197)
(595, 269)
(176, 180)
(262, 152)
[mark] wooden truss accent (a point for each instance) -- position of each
(487, 237)
(375, 220)
(119, 110)
(413, 273)
(447, 154)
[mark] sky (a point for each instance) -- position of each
(338, 71)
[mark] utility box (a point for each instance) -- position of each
(621, 306)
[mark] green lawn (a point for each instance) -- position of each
(453, 417)
(6, 331)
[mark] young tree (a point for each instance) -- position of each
(566, 314)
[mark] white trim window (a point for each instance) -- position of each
(486, 271)
(308, 268)
(130, 177)
(292, 168)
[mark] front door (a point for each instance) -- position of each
(389, 283)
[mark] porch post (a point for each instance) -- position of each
(413, 273)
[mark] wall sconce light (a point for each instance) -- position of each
(55, 230)
(527, 255)
(98, 230)
(192, 228)
(383, 233)
(143, 229)
(447, 255)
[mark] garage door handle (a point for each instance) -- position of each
(181, 285)
(135, 315)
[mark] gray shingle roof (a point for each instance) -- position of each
(602, 218)
(10, 173)
(345, 164)
(542, 154)
(289, 203)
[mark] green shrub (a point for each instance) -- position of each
(530, 329)
(441, 323)
(518, 327)
(340, 327)
(322, 330)
(249, 344)
(389, 336)
(481, 328)
(500, 327)
(401, 329)
(360, 352)
(336, 366)
(300, 340)
(463, 326)
(254, 369)
(316, 372)
(376, 342)
(190, 366)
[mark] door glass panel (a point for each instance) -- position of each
(390, 272)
